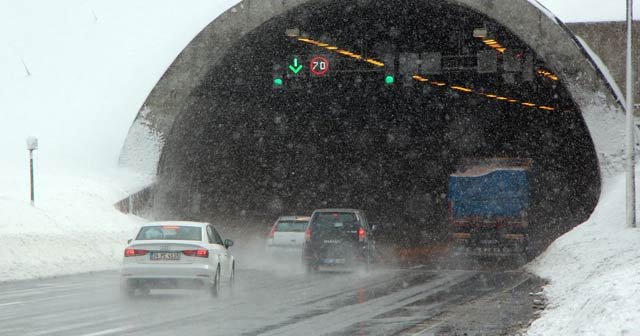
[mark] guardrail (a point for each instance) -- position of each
(138, 203)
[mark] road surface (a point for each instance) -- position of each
(264, 302)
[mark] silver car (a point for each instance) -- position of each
(287, 235)
(167, 255)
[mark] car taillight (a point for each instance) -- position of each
(307, 234)
(273, 230)
(130, 252)
(362, 234)
(197, 253)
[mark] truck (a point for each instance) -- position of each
(488, 207)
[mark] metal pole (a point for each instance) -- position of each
(31, 176)
(630, 164)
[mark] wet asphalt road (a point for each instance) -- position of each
(276, 302)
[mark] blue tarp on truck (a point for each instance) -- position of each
(489, 203)
(500, 193)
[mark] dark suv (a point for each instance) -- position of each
(338, 238)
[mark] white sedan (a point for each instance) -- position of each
(287, 235)
(166, 255)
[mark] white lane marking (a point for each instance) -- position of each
(107, 332)
(49, 298)
(33, 291)
(66, 326)
(11, 303)
(45, 288)
(23, 292)
(346, 316)
(430, 331)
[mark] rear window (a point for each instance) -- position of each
(335, 220)
(169, 232)
(292, 226)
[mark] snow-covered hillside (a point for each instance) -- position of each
(74, 74)
(594, 274)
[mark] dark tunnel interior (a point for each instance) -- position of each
(246, 153)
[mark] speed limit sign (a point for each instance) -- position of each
(319, 65)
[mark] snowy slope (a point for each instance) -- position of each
(594, 274)
(74, 73)
(72, 229)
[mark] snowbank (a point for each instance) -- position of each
(594, 274)
(72, 229)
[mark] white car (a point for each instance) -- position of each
(167, 255)
(287, 235)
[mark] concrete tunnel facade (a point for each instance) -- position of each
(182, 102)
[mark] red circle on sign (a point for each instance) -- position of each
(319, 65)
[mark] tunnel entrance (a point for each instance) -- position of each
(246, 153)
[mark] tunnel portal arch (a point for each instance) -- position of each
(180, 91)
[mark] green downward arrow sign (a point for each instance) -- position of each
(295, 67)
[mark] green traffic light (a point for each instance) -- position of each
(389, 80)
(278, 82)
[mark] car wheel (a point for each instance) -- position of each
(521, 259)
(367, 263)
(214, 288)
(145, 290)
(232, 278)
(362, 264)
(311, 268)
(127, 290)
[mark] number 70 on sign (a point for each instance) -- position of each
(319, 66)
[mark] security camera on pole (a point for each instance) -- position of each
(32, 144)
(630, 164)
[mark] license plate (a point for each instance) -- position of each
(332, 241)
(334, 261)
(165, 256)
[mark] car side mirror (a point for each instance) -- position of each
(228, 243)
(129, 241)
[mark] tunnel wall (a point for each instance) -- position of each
(531, 23)
(609, 41)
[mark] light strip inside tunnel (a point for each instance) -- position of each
(547, 74)
(417, 77)
(494, 44)
(502, 49)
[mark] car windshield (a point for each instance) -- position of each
(170, 233)
(335, 220)
(292, 226)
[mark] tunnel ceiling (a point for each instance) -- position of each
(245, 152)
